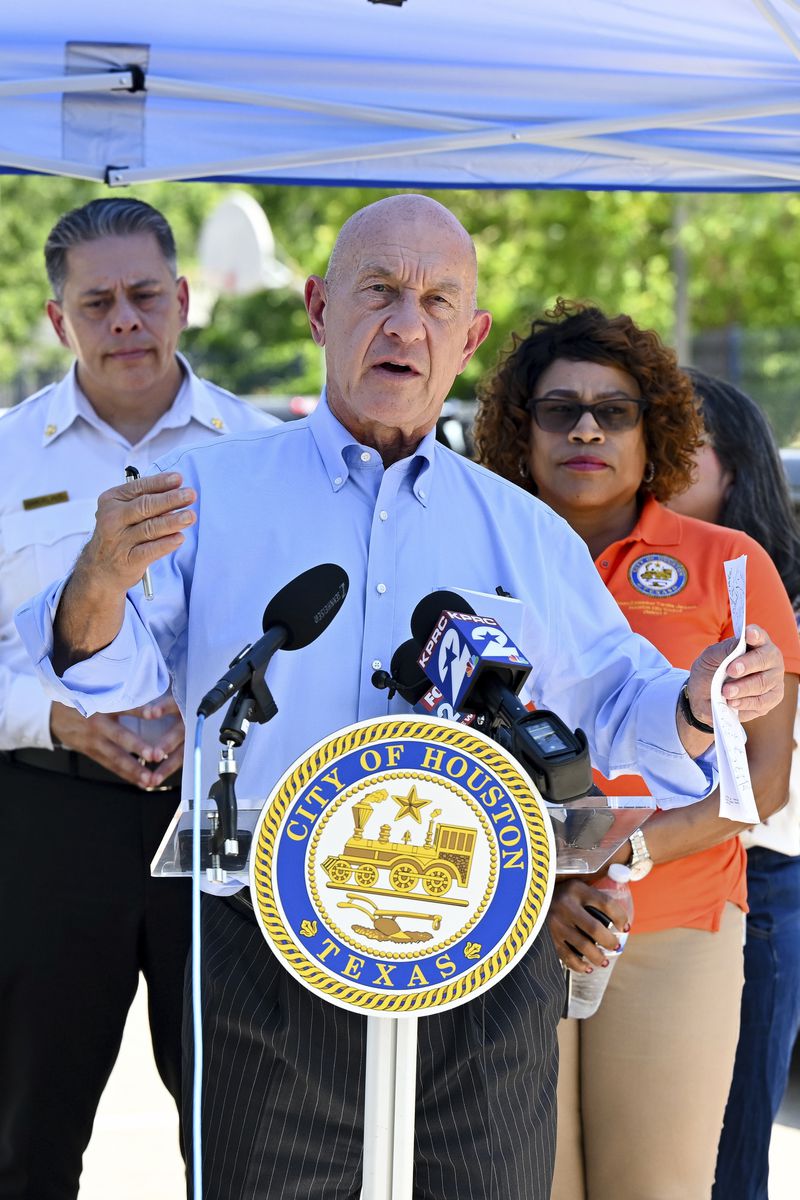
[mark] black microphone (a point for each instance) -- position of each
(502, 679)
(405, 676)
(294, 618)
(475, 664)
(492, 689)
(431, 607)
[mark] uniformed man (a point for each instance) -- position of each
(85, 801)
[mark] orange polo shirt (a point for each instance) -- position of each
(668, 579)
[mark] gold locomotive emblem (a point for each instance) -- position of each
(384, 867)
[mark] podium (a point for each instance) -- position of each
(416, 846)
(587, 833)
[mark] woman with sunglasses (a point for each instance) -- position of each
(593, 415)
(740, 483)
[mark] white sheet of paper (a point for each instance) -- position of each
(736, 799)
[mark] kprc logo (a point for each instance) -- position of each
(459, 645)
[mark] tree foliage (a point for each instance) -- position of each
(616, 248)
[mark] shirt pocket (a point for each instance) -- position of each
(41, 545)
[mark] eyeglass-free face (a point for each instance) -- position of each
(583, 470)
(556, 415)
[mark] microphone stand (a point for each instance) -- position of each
(254, 704)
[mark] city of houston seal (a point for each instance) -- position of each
(402, 865)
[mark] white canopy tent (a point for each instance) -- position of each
(684, 94)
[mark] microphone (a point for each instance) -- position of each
(407, 679)
(405, 676)
(473, 663)
(294, 617)
(461, 650)
(430, 608)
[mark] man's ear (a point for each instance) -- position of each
(478, 332)
(316, 298)
(56, 315)
(182, 292)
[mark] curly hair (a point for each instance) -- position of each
(583, 333)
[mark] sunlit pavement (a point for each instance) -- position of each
(134, 1154)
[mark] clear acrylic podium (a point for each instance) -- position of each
(587, 832)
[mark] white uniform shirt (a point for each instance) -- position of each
(56, 456)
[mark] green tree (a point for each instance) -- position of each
(29, 207)
(743, 255)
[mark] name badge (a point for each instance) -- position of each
(44, 501)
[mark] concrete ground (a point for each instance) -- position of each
(133, 1154)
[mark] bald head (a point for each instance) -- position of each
(396, 314)
(396, 219)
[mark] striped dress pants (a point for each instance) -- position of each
(283, 1094)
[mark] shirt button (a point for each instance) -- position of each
(604, 563)
(338, 480)
(421, 494)
(380, 589)
(376, 664)
(384, 516)
(365, 457)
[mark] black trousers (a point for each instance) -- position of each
(80, 917)
(284, 1080)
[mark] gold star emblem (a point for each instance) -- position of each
(217, 423)
(50, 430)
(410, 805)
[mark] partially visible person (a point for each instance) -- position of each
(86, 801)
(740, 483)
(593, 415)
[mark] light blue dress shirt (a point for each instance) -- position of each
(274, 503)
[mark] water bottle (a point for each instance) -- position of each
(586, 991)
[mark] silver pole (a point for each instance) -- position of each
(379, 1089)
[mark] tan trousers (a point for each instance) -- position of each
(643, 1083)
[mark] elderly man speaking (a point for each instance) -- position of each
(362, 482)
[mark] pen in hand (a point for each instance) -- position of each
(147, 585)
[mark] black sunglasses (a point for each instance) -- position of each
(561, 416)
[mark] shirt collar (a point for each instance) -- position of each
(194, 401)
(63, 407)
(657, 526)
(334, 441)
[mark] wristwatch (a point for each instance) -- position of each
(641, 863)
(689, 717)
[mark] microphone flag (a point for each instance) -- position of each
(461, 648)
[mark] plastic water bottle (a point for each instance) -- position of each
(586, 991)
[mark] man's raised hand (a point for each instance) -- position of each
(137, 523)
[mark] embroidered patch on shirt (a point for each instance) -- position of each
(658, 575)
(43, 501)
